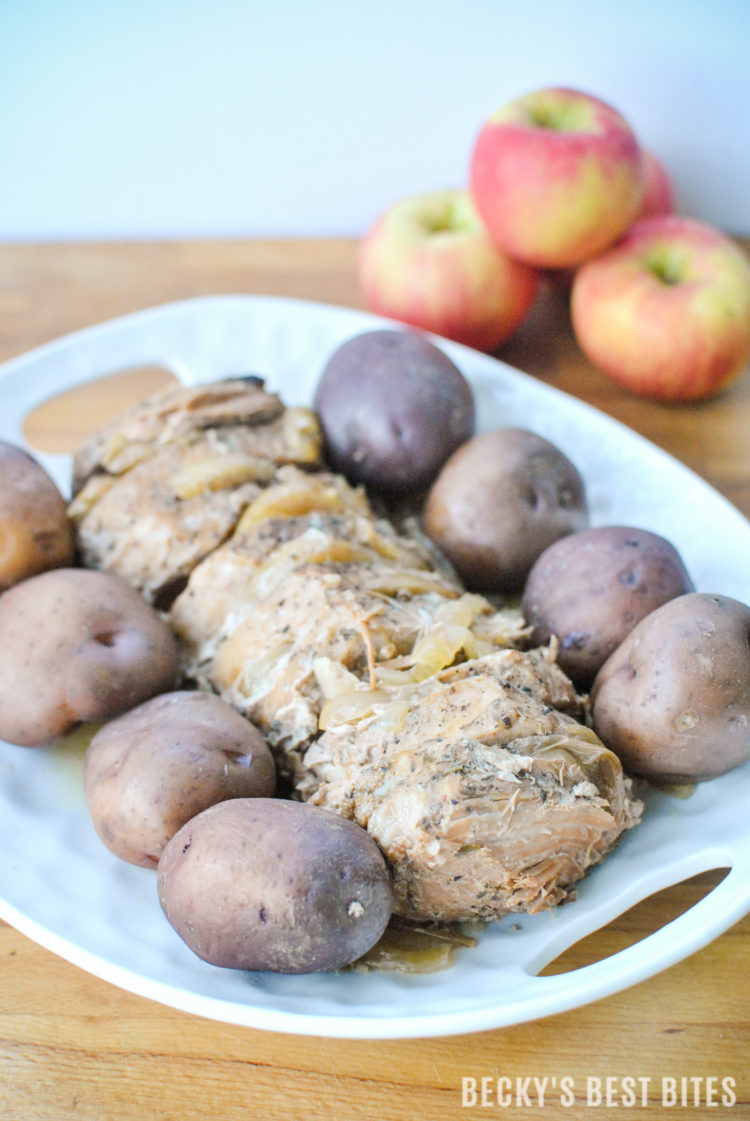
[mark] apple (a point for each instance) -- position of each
(658, 198)
(427, 261)
(658, 192)
(556, 176)
(666, 311)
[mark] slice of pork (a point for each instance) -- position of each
(483, 797)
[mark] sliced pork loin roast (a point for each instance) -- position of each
(299, 518)
(168, 415)
(329, 626)
(483, 797)
(386, 691)
(164, 485)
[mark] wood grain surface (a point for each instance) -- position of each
(72, 1046)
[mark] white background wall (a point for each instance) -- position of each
(240, 117)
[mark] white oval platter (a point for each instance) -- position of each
(62, 888)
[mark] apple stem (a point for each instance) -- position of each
(666, 267)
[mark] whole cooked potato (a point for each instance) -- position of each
(592, 587)
(35, 533)
(270, 884)
(152, 769)
(673, 700)
(392, 407)
(499, 502)
(77, 645)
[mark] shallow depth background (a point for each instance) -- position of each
(140, 118)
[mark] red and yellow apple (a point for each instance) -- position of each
(428, 262)
(658, 198)
(658, 192)
(666, 312)
(556, 176)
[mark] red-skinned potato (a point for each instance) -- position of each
(673, 700)
(154, 768)
(77, 646)
(393, 407)
(35, 534)
(591, 588)
(498, 502)
(276, 885)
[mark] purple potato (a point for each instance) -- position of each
(392, 407)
